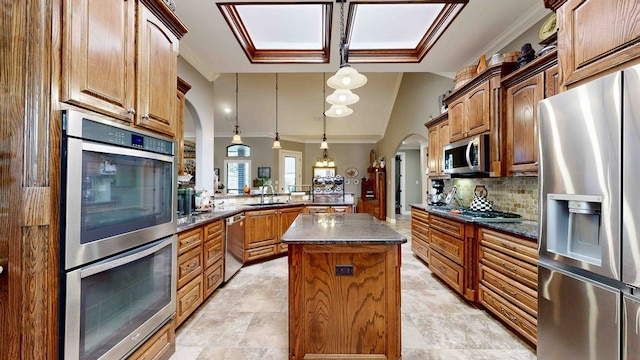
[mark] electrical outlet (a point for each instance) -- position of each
(344, 270)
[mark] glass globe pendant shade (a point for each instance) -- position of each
(347, 78)
(324, 145)
(236, 140)
(343, 97)
(276, 142)
(338, 111)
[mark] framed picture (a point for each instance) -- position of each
(324, 171)
(264, 172)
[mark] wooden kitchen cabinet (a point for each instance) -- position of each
(183, 87)
(420, 233)
(286, 216)
(468, 115)
(438, 130)
(526, 87)
(509, 280)
(261, 238)
(137, 81)
(376, 205)
(159, 347)
(595, 37)
(452, 254)
(200, 266)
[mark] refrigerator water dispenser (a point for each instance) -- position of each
(573, 225)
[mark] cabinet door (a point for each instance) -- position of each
(478, 110)
(98, 70)
(157, 73)
(596, 35)
(261, 228)
(443, 137)
(434, 151)
(287, 216)
(457, 113)
(522, 126)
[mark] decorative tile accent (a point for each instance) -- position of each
(509, 194)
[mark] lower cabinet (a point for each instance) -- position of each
(509, 280)
(263, 230)
(420, 233)
(318, 209)
(200, 267)
(159, 347)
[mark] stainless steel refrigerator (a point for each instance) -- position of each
(589, 245)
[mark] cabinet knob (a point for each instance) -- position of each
(131, 111)
(145, 116)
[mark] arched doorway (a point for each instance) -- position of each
(410, 181)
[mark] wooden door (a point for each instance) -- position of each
(478, 110)
(522, 125)
(551, 81)
(457, 114)
(156, 73)
(434, 151)
(260, 228)
(443, 136)
(287, 217)
(98, 70)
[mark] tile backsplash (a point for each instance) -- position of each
(510, 194)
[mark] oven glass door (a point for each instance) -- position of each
(113, 305)
(117, 198)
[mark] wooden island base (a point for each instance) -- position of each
(344, 300)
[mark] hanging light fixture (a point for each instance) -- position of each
(276, 141)
(346, 77)
(236, 140)
(323, 144)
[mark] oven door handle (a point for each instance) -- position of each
(113, 149)
(127, 257)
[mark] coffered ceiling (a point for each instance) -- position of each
(383, 45)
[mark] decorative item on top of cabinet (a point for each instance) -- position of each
(476, 108)
(509, 280)
(127, 84)
(183, 87)
(525, 87)
(438, 135)
(595, 37)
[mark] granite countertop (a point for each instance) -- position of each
(525, 228)
(201, 218)
(341, 229)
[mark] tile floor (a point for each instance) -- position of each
(246, 319)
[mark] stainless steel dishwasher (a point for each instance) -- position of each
(233, 245)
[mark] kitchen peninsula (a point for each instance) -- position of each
(344, 287)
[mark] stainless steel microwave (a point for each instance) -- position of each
(468, 156)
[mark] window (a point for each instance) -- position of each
(237, 175)
(238, 151)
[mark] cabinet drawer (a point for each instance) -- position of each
(318, 209)
(341, 209)
(212, 251)
(189, 266)
(448, 246)
(160, 346)
(446, 226)
(518, 270)
(447, 270)
(525, 250)
(213, 230)
(420, 248)
(188, 299)
(283, 248)
(189, 239)
(260, 252)
(522, 296)
(520, 321)
(422, 233)
(419, 215)
(212, 277)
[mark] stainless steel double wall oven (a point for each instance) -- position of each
(118, 227)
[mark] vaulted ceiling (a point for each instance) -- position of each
(211, 46)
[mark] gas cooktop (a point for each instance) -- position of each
(478, 216)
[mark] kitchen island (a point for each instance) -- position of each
(344, 287)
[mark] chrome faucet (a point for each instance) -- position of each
(262, 193)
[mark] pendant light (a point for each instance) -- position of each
(346, 77)
(276, 141)
(236, 140)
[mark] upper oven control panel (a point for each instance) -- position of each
(82, 126)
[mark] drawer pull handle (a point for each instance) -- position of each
(512, 269)
(509, 316)
(192, 299)
(191, 241)
(512, 293)
(508, 247)
(442, 269)
(191, 266)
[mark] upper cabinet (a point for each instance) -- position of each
(131, 74)
(470, 115)
(524, 89)
(438, 129)
(595, 36)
